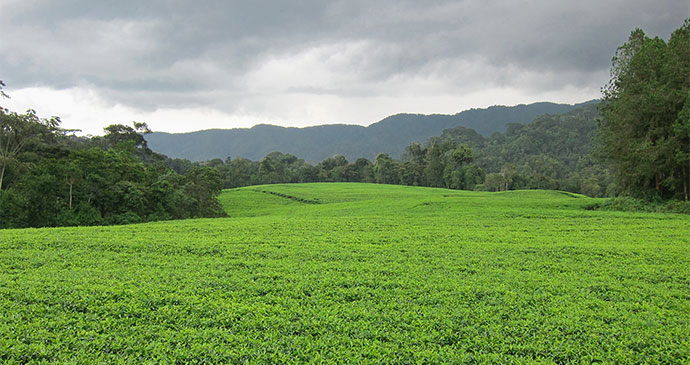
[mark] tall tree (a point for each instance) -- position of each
(644, 130)
(454, 170)
(433, 170)
(386, 171)
(17, 131)
(415, 156)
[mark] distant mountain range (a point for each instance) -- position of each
(314, 144)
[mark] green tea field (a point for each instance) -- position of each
(355, 273)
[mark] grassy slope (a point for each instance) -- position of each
(374, 273)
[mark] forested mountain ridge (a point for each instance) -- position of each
(390, 135)
(553, 151)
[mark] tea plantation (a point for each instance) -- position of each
(355, 273)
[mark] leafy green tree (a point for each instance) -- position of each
(333, 169)
(543, 172)
(278, 167)
(415, 159)
(473, 176)
(509, 172)
(203, 186)
(494, 182)
(59, 180)
(365, 170)
(179, 165)
(116, 134)
(307, 173)
(13, 212)
(643, 133)
(407, 173)
(681, 146)
(43, 190)
(349, 173)
(238, 172)
(454, 170)
(270, 170)
(72, 176)
(386, 171)
(16, 132)
(590, 186)
(128, 138)
(433, 169)
(215, 163)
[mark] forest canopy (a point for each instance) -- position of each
(645, 130)
(50, 177)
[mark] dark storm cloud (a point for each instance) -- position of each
(153, 54)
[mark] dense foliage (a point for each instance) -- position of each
(645, 130)
(49, 177)
(551, 152)
(371, 274)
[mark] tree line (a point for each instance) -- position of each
(645, 130)
(636, 142)
(50, 177)
(552, 152)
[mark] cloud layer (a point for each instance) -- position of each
(222, 64)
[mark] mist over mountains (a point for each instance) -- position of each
(313, 144)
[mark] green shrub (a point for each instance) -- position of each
(677, 206)
(124, 218)
(629, 204)
(87, 215)
(481, 187)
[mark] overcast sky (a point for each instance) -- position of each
(190, 65)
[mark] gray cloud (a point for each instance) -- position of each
(216, 54)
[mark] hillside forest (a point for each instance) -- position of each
(50, 177)
(551, 152)
(635, 142)
(390, 135)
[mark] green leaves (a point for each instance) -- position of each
(641, 133)
(373, 274)
(17, 131)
